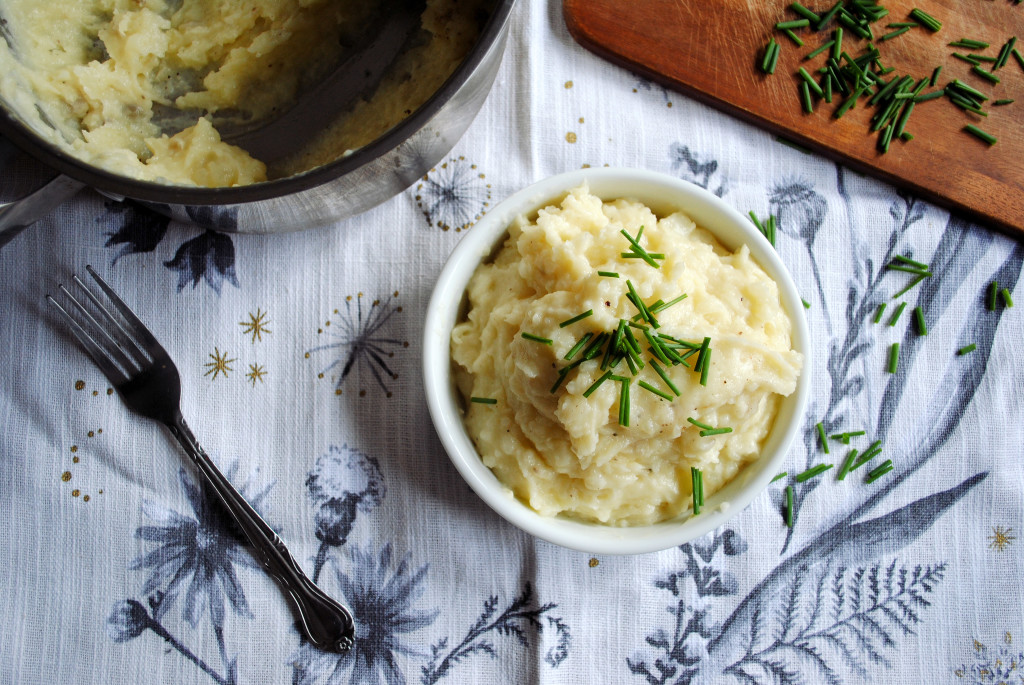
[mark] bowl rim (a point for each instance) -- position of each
(480, 240)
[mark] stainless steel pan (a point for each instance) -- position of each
(335, 191)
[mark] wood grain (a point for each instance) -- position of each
(710, 51)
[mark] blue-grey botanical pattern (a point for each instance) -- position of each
(193, 558)
(691, 167)
(344, 482)
(382, 594)
(207, 257)
(838, 607)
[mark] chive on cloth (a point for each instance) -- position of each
(892, 550)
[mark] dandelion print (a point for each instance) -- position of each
(358, 339)
(453, 195)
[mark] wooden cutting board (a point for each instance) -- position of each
(711, 51)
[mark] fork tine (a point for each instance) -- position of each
(135, 350)
(114, 349)
(115, 374)
(138, 328)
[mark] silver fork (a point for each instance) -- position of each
(148, 382)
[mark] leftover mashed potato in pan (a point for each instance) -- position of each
(605, 351)
(95, 77)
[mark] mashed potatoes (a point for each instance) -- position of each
(100, 77)
(562, 445)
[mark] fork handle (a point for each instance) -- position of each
(326, 623)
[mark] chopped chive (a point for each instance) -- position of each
(878, 313)
(896, 314)
(935, 76)
(925, 19)
(664, 377)
(966, 349)
(870, 453)
(901, 24)
(537, 338)
(969, 44)
(483, 400)
(594, 348)
(974, 93)
(1003, 101)
(793, 37)
(793, 24)
(1017, 56)
(917, 279)
(845, 437)
(929, 96)
(805, 13)
(705, 366)
(805, 97)
(650, 388)
(578, 317)
(635, 255)
(789, 506)
(597, 384)
(811, 83)
(623, 400)
(779, 476)
(578, 346)
(638, 249)
(698, 424)
(894, 357)
(821, 437)
(970, 59)
(990, 300)
(978, 133)
(696, 478)
(807, 305)
(812, 472)
(823, 48)
(827, 17)
(987, 75)
(909, 269)
(882, 469)
(1005, 294)
(771, 57)
(662, 306)
(715, 431)
(656, 349)
(1004, 53)
(893, 34)
(562, 375)
(911, 262)
(608, 274)
(922, 329)
(645, 313)
(847, 465)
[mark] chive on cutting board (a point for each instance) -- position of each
(711, 50)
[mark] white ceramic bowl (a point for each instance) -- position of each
(663, 194)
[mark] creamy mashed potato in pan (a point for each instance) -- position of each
(567, 442)
(98, 77)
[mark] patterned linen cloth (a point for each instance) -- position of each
(300, 357)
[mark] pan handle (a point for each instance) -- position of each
(18, 215)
